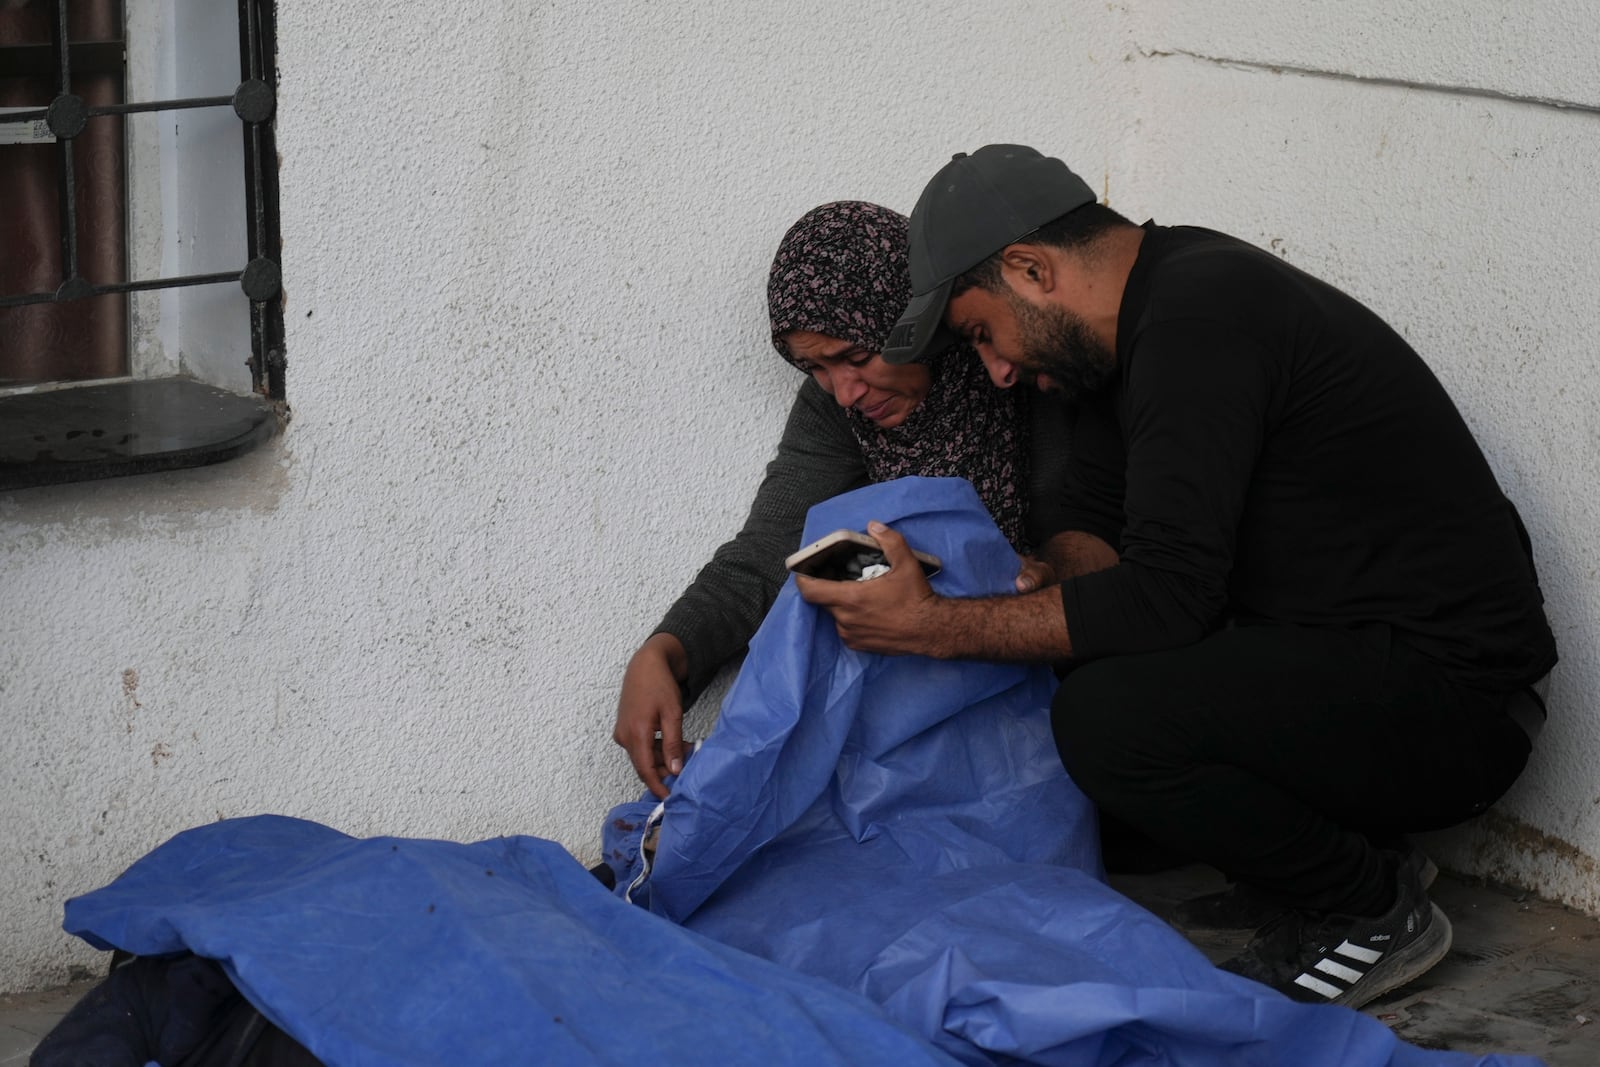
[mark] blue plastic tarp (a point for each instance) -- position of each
(872, 860)
(903, 827)
(389, 951)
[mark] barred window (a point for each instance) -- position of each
(141, 323)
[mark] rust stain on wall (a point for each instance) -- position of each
(130, 692)
(1506, 832)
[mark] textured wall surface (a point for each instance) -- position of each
(524, 255)
(1438, 162)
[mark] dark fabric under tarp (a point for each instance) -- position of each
(873, 861)
(176, 1011)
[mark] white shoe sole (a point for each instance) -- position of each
(1404, 966)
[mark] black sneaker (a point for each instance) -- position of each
(1345, 959)
(1243, 907)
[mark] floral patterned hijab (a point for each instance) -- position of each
(842, 271)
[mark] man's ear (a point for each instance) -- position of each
(1028, 267)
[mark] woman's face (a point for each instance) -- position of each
(857, 378)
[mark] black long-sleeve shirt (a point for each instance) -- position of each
(1271, 450)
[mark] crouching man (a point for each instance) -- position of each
(1304, 616)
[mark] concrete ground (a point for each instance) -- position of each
(26, 1017)
(1523, 975)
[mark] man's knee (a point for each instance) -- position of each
(1103, 716)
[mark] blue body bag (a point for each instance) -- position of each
(903, 827)
(870, 861)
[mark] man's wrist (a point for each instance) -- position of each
(1025, 628)
(937, 628)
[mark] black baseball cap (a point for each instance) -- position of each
(974, 207)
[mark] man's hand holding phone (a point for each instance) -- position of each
(848, 556)
(900, 614)
(893, 614)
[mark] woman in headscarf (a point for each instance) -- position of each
(838, 283)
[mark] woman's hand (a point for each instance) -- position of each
(651, 701)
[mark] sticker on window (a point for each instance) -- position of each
(32, 131)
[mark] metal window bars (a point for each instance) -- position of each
(254, 102)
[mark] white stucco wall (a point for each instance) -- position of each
(524, 255)
(1437, 160)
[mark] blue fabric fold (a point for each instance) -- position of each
(391, 951)
(873, 861)
(903, 828)
(952, 762)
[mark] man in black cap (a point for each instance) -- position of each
(1302, 615)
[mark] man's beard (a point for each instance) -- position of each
(1059, 345)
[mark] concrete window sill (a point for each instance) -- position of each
(119, 428)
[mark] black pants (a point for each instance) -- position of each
(1281, 754)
